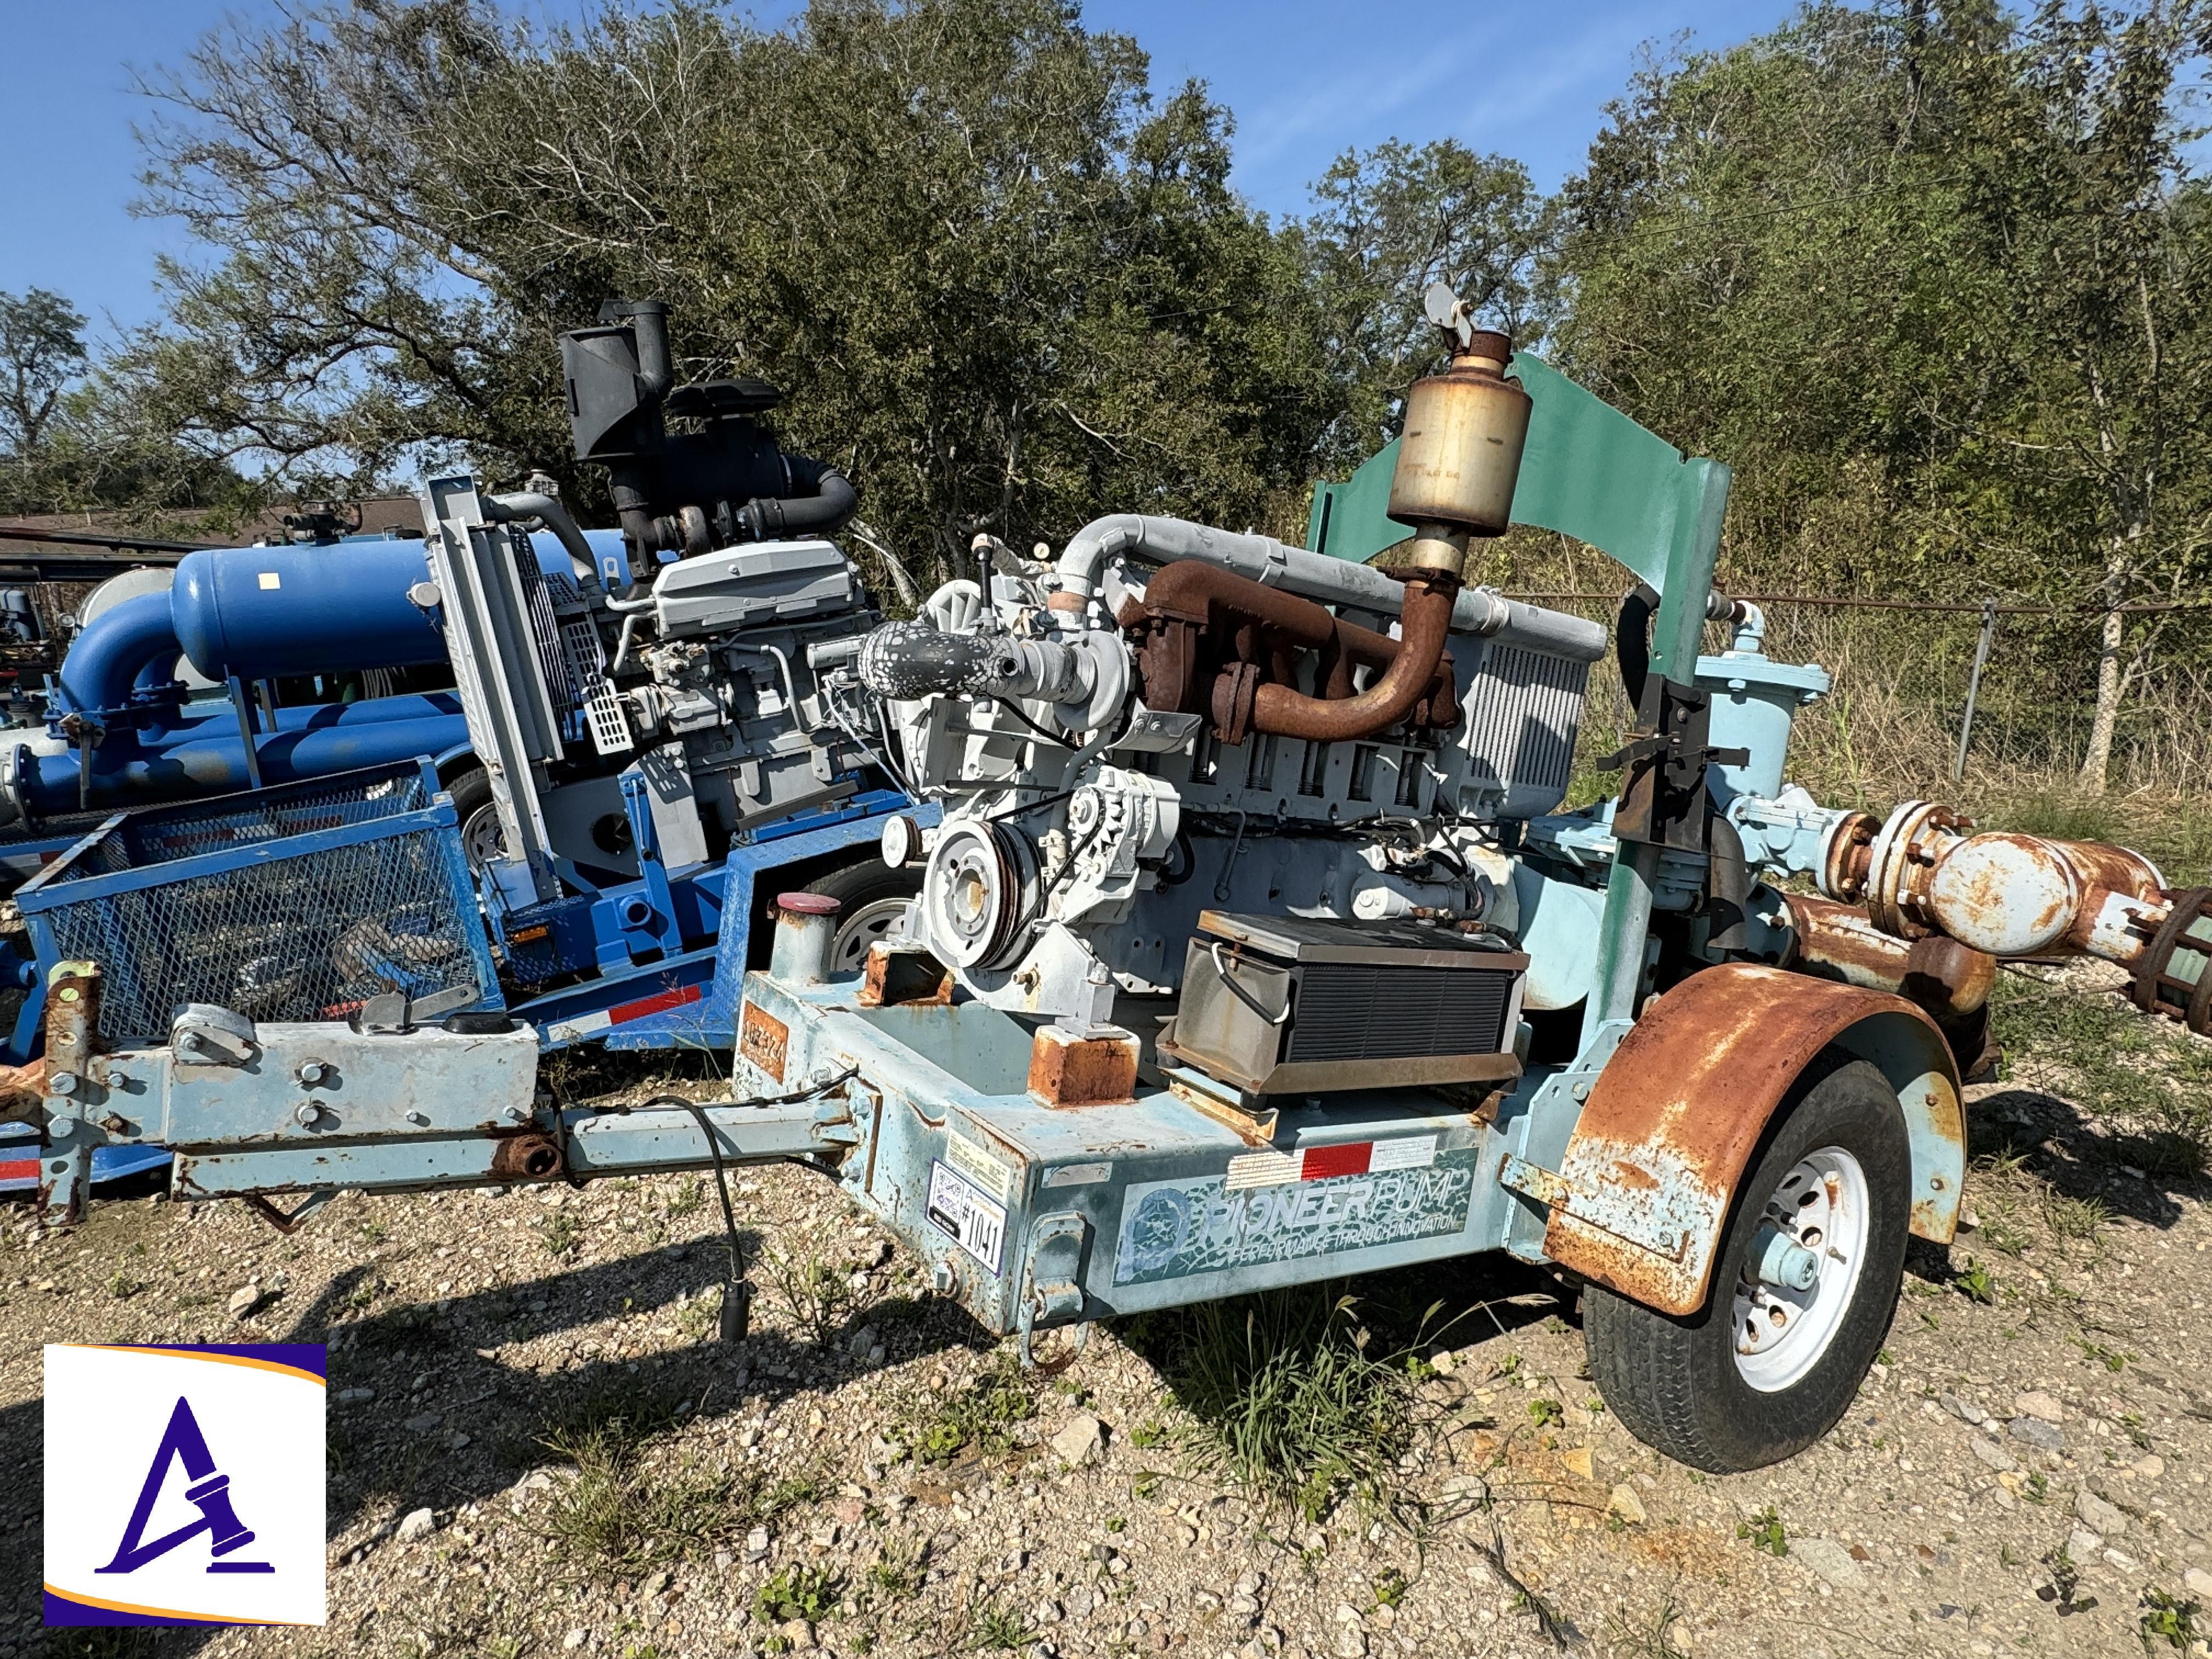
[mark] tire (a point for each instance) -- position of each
(873, 896)
(482, 838)
(1683, 1386)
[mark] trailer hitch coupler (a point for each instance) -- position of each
(806, 937)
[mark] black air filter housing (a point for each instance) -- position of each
(1285, 1005)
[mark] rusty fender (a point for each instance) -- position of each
(1652, 1167)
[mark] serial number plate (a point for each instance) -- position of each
(976, 1224)
(764, 1040)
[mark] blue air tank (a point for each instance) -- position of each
(263, 612)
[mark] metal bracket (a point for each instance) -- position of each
(1052, 1280)
(1662, 794)
(289, 1223)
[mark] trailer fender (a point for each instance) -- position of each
(1671, 1123)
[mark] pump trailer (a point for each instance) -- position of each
(1252, 947)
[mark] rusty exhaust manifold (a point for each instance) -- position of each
(1209, 641)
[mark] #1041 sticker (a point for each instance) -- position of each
(975, 1222)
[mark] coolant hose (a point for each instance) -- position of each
(1632, 641)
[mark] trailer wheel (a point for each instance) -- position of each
(873, 896)
(1766, 1368)
(482, 838)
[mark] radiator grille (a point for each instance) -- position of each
(1523, 711)
(1354, 1011)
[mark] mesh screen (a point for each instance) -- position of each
(307, 937)
(181, 832)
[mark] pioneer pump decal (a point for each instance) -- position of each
(1213, 1224)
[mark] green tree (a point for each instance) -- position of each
(996, 281)
(1931, 278)
(1388, 223)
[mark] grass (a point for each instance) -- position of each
(1290, 1395)
(631, 1503)
(560, 1233)
(2168, 1619)
(998, 1629)
(2152, 1080)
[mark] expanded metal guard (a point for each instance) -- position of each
(297, 903)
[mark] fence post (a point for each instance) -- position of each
(1974, 687)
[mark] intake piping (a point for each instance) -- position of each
(531, 504)
(821, 502)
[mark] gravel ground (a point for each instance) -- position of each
(538, 1446)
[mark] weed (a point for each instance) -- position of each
(1145, 1487)
(2037, 1490)
(813, 1290)
(996, 1629)
(615, 1515)
(2168, 1619)
(1652, 1640)
(2082, 1219)
(373, 1231)
(1765, 1531)
(1116, 1523)
(1975, 1282)
(2110, 1360)
(897, 1573)
(1288, 1395)
(1546, 1413)
(1148, 1434)
(982, 1415)
(2132, 1426)
(562, 1234)
(1390, 1589)
(2005, 1556)
(123, 1287)
(808, 1593)
(689, 1199)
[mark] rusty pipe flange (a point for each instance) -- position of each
(526, 1155)
(2186, 933)
(1843, 856)
(1899, 860)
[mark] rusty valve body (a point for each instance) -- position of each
(1926, 873)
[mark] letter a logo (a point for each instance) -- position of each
(209, 1490)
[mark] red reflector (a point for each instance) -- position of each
(1322, 1162)
(19, 1168)
(623, 1012)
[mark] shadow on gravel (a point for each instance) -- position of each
(2135, 1175)
(506, 1413)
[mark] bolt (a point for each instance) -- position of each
(305, 1113)
(1581, 1089)
(419, 1118)
(941, 1279)
(61, 1128)
(514, 1114)
(63, 1084)
(311, 1073)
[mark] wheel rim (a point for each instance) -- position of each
(482, 838)
(1781, 1333)
(848, 951)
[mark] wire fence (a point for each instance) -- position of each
(1907, 671)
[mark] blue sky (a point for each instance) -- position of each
(1307, 79)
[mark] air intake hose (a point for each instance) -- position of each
(820, 503)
